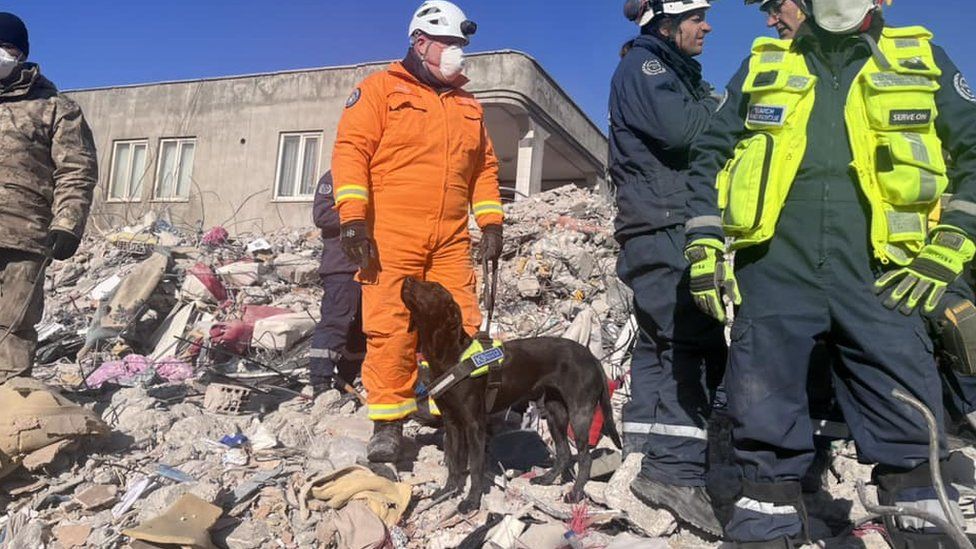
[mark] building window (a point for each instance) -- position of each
(175, 169)
(128, 170)
(298, 165)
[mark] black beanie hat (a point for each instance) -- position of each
(13, 31)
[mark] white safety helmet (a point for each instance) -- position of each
(841, 16)
(643, 12)
(441, 18)
(762, 3)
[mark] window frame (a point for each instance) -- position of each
(303, 135)
(180, 141)
(127, 197)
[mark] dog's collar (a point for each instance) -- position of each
(476, 361)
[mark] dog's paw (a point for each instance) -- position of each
(547, 479)
(446, 492)
(469, 505)
(573, 497)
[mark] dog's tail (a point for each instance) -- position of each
(609, 429)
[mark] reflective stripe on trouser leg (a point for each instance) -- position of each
(391, 412)
(669, 400)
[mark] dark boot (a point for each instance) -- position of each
(903, 487)
(384, 445)
(689, 504)
(778, 543)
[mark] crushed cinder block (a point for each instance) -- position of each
(226, 399)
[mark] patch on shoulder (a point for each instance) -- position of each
(325, 188)
(766, 115)
(963, 89)
(653, 67)
(353, 97)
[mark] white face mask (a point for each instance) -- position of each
(841, 16)
(7, 63)
(452, 62)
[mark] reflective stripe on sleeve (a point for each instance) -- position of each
(351, 192)
(703, 221)
(963, 206)
(487, 207)
(764, 507)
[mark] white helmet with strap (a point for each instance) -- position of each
(643, 12)
(441, 18)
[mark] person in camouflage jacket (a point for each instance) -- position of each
(48, 170)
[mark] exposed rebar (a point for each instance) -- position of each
(957, 530)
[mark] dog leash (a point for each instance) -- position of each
(490, 288)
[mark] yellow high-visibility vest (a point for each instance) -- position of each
(890, 116)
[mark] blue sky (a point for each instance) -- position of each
(100, 42)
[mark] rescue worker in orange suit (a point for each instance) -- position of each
(412, 158)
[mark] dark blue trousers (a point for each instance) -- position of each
(677, 363)
(805, 286)
(339, 331)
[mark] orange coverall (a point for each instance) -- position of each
(412, 163)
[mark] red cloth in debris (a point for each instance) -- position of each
(210, 280)
(235, 335)
(216, 236)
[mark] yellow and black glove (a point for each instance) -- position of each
(938, 264)
(712, 279)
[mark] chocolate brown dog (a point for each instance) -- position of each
(563, 374)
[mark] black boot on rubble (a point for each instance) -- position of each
(384, 445)
(778, 543)
(908, 532)
(689, 504)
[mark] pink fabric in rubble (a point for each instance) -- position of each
(216, 236)
(131, 366)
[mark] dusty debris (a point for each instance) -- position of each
(204, 310)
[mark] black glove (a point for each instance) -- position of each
(356, 243)
(62, 244)
(491, 242)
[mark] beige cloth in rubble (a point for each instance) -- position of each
(37, 416)
(388, 499)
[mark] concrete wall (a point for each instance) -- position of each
(237, 123)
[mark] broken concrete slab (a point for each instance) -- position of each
(38, 416)
(94, 497)
(72, 535)
(187, 522)
(282, 332)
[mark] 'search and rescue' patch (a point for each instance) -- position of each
(353, 97)
(910, 117)
(325, 188)
(487, 357)
(653, 67)
(963, 89)
(767, 115)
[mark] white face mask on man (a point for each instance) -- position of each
(841, 16)
(8, 63)
(452, 62)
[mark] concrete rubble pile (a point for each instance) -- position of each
(185, 354)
